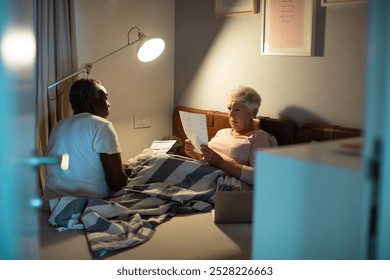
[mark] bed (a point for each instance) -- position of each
(191, 235)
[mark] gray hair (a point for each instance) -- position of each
(248, 96)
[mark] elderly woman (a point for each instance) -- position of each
(232, 149)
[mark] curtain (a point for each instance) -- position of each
(56, 58)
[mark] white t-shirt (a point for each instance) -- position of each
(83, 137)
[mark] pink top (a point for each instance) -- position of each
(241, 148)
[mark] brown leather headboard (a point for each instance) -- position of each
(321, 132)
(283, 130)
(286, 132)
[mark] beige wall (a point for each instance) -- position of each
(213, 55)
(135, 88)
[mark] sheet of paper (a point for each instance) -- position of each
(162, 146)
(195, 128)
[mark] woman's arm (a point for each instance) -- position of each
(115, 175)
(224, 163)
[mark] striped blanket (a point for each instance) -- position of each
(159, 188)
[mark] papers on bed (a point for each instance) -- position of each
(195, 128)
(157, 147)
(162, 146)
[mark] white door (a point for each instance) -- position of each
(377, 126)
(18, 180)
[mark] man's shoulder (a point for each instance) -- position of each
(83, 120)
(88, 118)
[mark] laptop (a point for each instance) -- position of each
(233, 207)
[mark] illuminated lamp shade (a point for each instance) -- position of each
(149, 48)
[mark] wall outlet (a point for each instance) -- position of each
(141, 122)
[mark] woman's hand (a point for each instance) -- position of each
(189, 149)
(224, 163)
(210, 156)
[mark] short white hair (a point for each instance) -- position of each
(248, 96)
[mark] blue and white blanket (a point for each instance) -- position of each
(159, 188)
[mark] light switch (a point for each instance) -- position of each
(141, 122)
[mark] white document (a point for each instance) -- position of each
(162, 146)
(195, 128)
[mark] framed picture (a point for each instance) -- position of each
(288, 27)
(234, 7)
(326, 3)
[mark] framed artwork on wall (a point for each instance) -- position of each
(326, 3)
(288, 27)
(234, 7)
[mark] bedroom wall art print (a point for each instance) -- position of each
(223, 8)
(288, 27)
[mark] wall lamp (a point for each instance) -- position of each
(148, 49)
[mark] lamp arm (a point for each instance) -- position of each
(88, 66)
(111, 53)
(67, 77)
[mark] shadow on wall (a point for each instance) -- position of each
(319, 34)
(299, 115)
